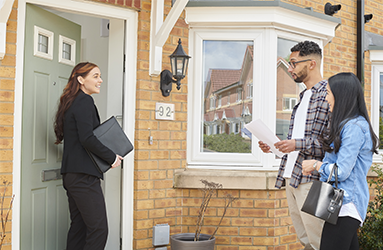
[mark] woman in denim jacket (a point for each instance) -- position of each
(350, 143)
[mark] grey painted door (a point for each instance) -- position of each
(52, 47)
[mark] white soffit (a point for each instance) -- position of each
(5, 11)
(262, 16)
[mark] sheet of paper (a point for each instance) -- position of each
(263, 133)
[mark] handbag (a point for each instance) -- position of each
(112, 136)
(324, 200)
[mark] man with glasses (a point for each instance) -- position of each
(308, 119)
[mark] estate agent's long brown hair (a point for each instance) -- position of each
(70, 92)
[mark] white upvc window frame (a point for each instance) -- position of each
(376, 58)
(206, 158)
(50, 35)
(263, 26)
(72, 43)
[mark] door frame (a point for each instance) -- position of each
(131, 22)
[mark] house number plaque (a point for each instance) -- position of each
(164, 111)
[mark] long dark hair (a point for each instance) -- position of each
(70, 92)
(349, 104)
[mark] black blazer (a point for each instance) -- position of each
(79, 122)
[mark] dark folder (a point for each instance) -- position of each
(112, 136)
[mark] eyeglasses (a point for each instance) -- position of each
(293, 64)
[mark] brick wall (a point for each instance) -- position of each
(7, 87)
(156, 202)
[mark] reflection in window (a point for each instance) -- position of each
(250, 90)
(67, 51)
(228, 75)
(212, 102)
(289, 103)
(287, 89)
(43, 43)
(381, 110)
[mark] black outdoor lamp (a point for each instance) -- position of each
(330, 9)
(179, 63)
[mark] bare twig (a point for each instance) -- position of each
(208, 191)
(4, 219)
(229, 199)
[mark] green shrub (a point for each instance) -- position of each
(371, 234)
(233, 143)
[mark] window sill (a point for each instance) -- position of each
(230, 179)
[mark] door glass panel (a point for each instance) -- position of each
(227, 107)
(43, 43)
(287, 89)
(67, 51)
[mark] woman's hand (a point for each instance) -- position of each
(117, 162)
(308, 166)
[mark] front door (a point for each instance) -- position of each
(52, 48)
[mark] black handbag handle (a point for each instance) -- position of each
(334, 168)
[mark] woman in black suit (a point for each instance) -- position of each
(76, 118)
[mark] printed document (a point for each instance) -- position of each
(263, 133)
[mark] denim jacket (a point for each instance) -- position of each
(354, 159)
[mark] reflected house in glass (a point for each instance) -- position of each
(228, 98)
(287, 97)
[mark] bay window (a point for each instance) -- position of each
(242, 53)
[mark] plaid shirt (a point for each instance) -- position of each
(309, 147)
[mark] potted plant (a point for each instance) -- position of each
(197, 240)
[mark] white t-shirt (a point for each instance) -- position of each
(298, 131)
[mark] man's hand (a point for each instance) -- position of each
(285, 146)
(264, 147)
(308, 166)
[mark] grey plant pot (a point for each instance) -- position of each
(185, 241)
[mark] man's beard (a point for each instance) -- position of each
(301, 75)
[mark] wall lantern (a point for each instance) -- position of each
(330, 9)
(179, 63)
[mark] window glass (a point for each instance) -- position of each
(227, 72)
(67, 51)
(43, 43)
(287, 89)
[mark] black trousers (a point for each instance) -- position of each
(342, 236)
(89, 227)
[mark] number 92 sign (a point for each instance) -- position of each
(164, 111)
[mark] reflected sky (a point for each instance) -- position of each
(223, 55)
